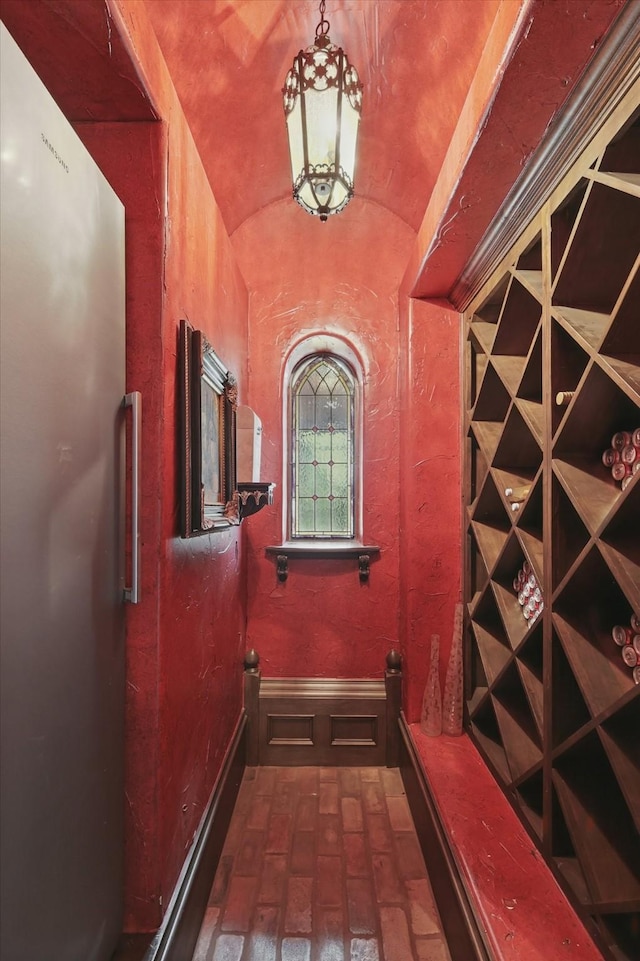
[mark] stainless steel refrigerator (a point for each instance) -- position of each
(62, 546)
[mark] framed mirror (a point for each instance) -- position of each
(208, 401)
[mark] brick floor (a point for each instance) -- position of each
(321, 864)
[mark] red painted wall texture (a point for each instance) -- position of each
(430, 467)
(332, 277)
(322, 622)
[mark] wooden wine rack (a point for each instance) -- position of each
(550, 704)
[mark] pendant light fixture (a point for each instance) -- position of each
(322, 106)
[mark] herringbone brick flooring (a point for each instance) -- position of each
(321, 864)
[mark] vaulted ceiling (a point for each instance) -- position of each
(229, 58)
(424, 65)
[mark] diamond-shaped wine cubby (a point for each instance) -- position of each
(490, 523)
(476, 682)
(619, 736)
(620, 544)
(478, 574)
(622, 156)
(570, 534)
(529, 794)
(518, 322)
(517, 489)
(530, 665)
(564, 854)
(589, 281)
(520, 735)
(586, 326)
(518, 452)
(512, 612)
(568, 364)
(484, 323)
(569, 712)
(529, 393)
(487, 735)
(529, 529)
(481, 335)
(621, 932)
(510, 367)
(479, 465)
(563, 221)
(621, 345)
(600, 411)
(531, 256)
(495, 652)
(591, 798)
(585, 612)
(478, 360)
(493, 399)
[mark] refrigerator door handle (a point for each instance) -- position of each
(134, 401)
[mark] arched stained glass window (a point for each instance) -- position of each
(322, 449)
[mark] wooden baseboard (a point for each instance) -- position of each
(459, 923)
(322, 721)
(176, 939)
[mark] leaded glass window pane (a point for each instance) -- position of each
(340, 511)
(322, 444)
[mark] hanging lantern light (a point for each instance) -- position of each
(322, 106)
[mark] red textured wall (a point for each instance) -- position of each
(326, 277)
(321, 621)
(185, 640)
(202, 604)
(430, 525)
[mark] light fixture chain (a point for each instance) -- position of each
(323, 27)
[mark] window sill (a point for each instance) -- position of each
(322, 550)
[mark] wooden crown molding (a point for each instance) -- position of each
(608, 78)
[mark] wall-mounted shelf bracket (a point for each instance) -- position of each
(283, 566)
(363, 567)
(253, 496)
(322, 551)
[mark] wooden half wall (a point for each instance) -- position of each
(330, 722)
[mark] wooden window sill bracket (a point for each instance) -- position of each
(320, 551)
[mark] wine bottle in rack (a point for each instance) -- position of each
(619, 471)
(529, 593)
(563, 397)
(517, 495)
(620, 439)
(627, 637)
(623, 456)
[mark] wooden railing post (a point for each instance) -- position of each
(393, 685)
(252, 706)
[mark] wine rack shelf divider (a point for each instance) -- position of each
(552, 533)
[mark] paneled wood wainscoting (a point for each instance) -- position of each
(330, 722)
